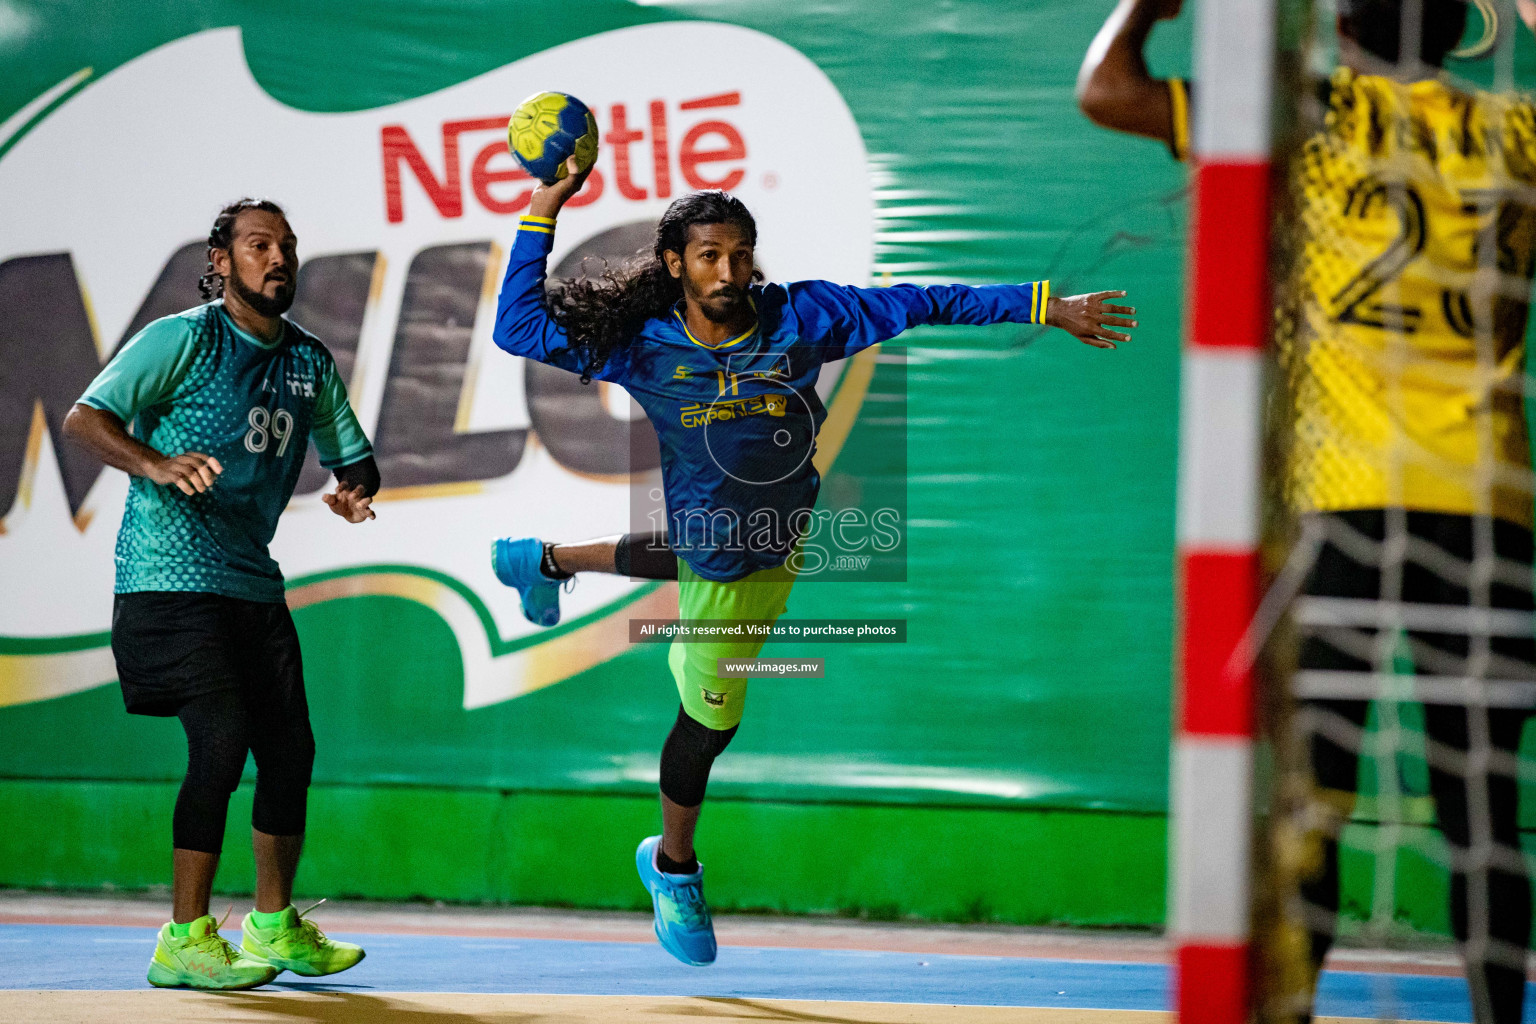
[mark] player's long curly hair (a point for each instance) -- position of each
(222, 233)
(600, 313)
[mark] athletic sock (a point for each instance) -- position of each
(179, 930)
(265, 921)
(669, 866)
(548, 567)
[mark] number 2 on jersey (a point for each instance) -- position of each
(268, 425)
(1355, 301)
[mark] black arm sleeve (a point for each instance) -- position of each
(364, 472)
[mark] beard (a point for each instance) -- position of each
(276, 305)
(728, 308)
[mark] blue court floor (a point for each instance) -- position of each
(75, 957)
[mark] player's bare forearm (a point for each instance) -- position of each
(106, 437)
(1114, 87)
(1090, 319)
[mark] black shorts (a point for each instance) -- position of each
(172, 647)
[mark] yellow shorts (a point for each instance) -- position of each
(711, 701)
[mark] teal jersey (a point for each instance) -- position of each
(194, 382)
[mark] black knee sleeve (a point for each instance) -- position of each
(285, 761)
(217, 741)
(198, 821)
(645, 556)
(687, 757)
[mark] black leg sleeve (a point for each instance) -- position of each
(285, 759)
(645, 556)
(281, 739)
(218, 736)
(687, 757)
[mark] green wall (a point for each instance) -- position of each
(1067, 867)
(577, 850)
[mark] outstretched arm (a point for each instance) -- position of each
(1114, 87)
(841, 320)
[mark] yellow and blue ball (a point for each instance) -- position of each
(547, 129)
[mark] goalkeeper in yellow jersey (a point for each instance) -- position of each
(1401, 332)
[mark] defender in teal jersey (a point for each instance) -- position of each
(223, 400)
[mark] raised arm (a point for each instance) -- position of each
(844, 320)
(523, 324)
(1114, 87)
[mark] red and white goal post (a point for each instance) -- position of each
(1227, 327)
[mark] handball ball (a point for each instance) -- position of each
(549, 128)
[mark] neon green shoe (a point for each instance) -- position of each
(204, 959)
(299, 946)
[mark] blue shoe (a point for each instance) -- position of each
(683, 926)
(517, 565)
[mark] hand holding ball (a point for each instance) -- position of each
(548, 129)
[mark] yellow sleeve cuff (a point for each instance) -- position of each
(543, 225)
(1042, 296)
(1178, 139)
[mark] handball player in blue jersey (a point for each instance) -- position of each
(224, 400)
(725, 368)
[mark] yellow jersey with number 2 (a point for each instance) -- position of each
(1410, 228)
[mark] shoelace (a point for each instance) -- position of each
(691, 905)
(215, 944)
(312, 932)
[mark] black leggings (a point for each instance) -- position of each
(220, 728)
(1498, 987)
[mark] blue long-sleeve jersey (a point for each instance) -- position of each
(737, 421)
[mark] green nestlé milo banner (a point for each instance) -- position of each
(874, 141)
